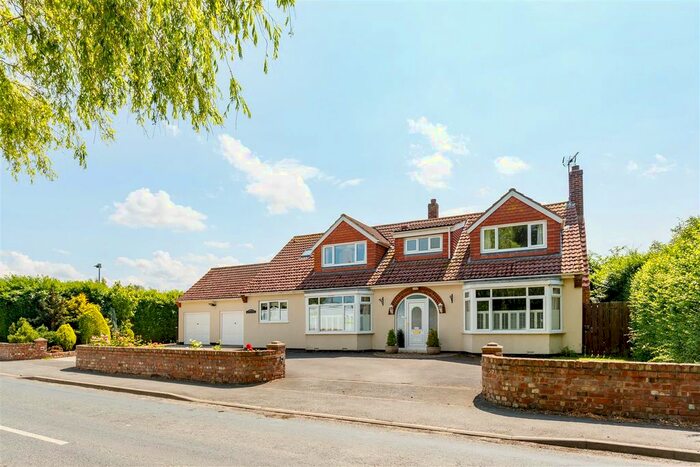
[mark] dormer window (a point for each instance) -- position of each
(514, 237)
(418, 245)
(345, 254)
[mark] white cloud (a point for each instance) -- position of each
(431, 171)
(508, 165)
(215, 244)
(438, 136)
(351, 182)
(172, 129)
(156, 210)
(14, 262)
(660, 165)
(632, 166)
(460, 210)
(163, 271)
(280, 185)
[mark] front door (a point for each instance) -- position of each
(417, 316)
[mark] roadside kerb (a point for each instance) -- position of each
(577, 443)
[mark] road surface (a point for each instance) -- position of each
(43, 424)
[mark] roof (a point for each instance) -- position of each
(370, 232)
(291, 270)
(223, 282)
(513, 193)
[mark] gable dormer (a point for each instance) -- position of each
(348, 244)
(515, 226)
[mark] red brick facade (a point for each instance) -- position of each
(511, 212)
(29, 351)
(345, 233)
(421, 290)
(400, 254)
(206, 365)
(650, 391)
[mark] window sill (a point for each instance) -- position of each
(515, 331)
(338, 333)
(343, 265)
(513, 250)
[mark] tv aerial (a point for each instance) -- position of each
(568, 162)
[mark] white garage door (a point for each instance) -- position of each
(197, 327)
(231, 328)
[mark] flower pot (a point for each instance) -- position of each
(432, 350)
(391, 349)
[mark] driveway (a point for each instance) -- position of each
(438, 392)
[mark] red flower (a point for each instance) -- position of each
(249, 347)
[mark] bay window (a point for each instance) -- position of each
(346, 313)
(513, 237)
(534, 308)
(345, 254)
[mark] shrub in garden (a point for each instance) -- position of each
(611, 276)
(50, 336)
(391, 338)
(665, 300)
(65, 337)
(22, 332)
(91, 323)
(432, 340)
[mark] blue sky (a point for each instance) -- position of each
(374, 108)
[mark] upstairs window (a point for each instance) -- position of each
(514, 237)
(417, 245)
(345, 254)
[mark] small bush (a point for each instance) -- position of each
(391, 338)
(22, 332)
(433, 340)
(400, 338)
(65, 337)
(91, 324)
(195, 344)
(50, 336)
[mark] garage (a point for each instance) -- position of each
(231, 328)
(197, 327)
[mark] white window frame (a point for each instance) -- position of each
(357, 294)
(268, 321)
(529, 246)
(548, 285)
(332, 248)
(417, 240)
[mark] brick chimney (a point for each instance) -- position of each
(576, 190)
(433, 209)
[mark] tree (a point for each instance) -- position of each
(611, 276)
(67, 67)
(665, 300)
(51, 310)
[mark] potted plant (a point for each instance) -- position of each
(433, 343)
(391, 346)
(400, 339)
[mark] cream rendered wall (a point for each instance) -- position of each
(449, 323)
(572, 316)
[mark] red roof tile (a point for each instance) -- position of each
(289, 270)
(224, 282)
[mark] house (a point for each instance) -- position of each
(516, 274)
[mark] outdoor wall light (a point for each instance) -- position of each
(452, 298)
(441, 308)
(391, 309)
(381, 300)
(212, 303)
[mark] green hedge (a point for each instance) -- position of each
(43, 301)
(665, 300)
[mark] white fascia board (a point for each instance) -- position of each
(512, 193)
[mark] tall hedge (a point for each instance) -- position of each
(155, 318)
(665, 300)
(44, 300)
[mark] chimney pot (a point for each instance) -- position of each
(433, 209)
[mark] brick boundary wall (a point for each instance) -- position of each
(648, 391)
(28, 351)
(227, 366)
